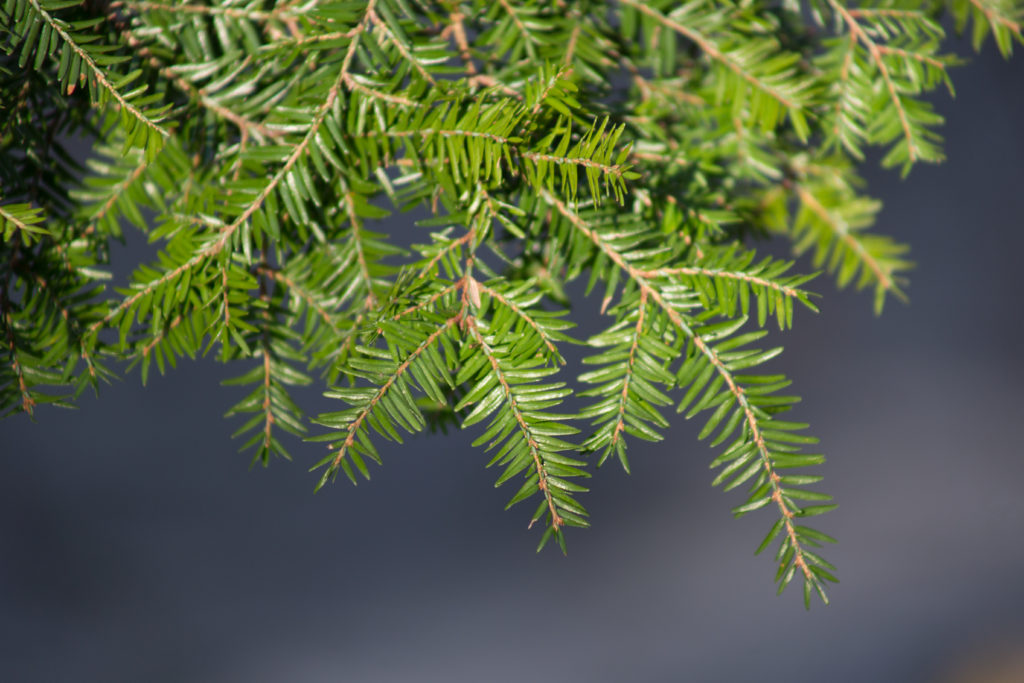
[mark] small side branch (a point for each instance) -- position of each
(524, 427)
(874, 50)
(353, 428)
(515, 308)
(97, 73)
(881, 274)
(711, 50)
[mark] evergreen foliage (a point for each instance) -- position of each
(639, 145)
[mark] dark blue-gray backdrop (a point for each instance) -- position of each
(137, 545)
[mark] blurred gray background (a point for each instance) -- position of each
(137, 545)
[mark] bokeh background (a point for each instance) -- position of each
(137, 545)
